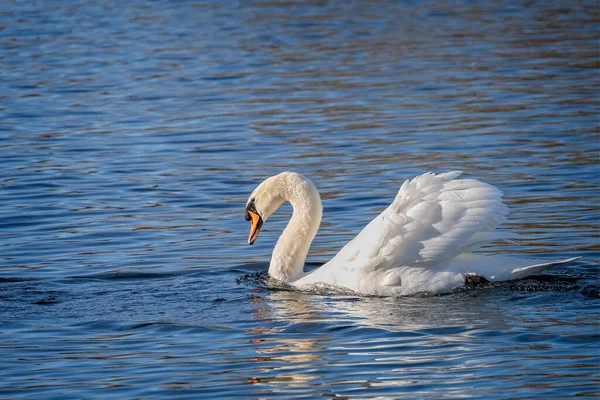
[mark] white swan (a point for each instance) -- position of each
(421, 242)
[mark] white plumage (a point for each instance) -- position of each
(421, 242)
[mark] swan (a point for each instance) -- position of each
(421, 243)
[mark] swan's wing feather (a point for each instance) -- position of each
(433, 219)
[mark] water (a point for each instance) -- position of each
(131, 134)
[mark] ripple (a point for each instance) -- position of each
(129, 275)
(131, 137)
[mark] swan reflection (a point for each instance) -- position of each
(305, 335)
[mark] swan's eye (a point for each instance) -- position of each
(251, 208)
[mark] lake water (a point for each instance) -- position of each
(132, 132)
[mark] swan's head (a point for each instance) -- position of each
(274, 191)
(263, 202)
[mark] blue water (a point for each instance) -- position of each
(131, 134)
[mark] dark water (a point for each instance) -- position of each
(132, 132)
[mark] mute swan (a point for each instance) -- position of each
(421, 242)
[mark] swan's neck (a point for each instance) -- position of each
(289, 255)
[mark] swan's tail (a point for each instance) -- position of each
(498, 268)
(522, 272)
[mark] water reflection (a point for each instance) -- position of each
(407, 314)
(398, 335)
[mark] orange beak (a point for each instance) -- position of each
(255, 225)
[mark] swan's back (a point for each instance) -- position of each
(432, 220)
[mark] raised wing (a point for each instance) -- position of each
(433, 219)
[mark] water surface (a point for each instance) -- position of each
(131, 134)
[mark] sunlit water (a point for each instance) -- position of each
(131, 134)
